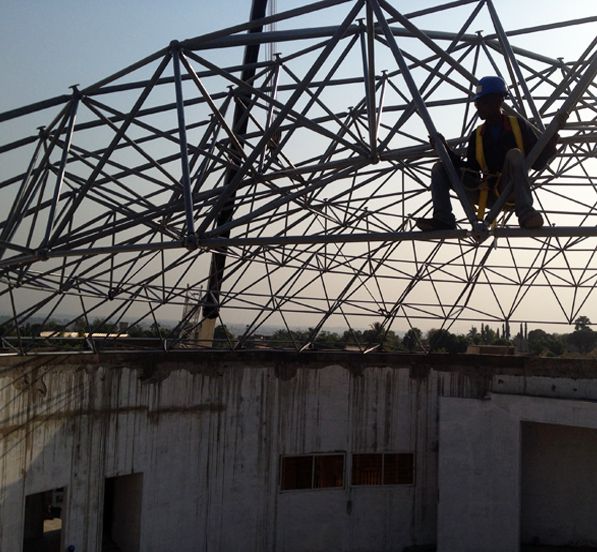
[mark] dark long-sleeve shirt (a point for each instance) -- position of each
(497, 146)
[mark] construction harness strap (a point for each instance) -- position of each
(480, 156)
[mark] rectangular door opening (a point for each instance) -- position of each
(43, 521)
(558, 488)
(122, 513)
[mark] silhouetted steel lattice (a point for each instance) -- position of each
(281, 191)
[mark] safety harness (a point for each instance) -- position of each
(480, 156)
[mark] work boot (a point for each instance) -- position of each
(430, 224)
(531, 220)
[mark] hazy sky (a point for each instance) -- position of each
(48, 45)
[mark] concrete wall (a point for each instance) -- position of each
(559, 485)
(207, 439)
(480, 476)
(206, 431)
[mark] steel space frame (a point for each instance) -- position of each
(282, 190)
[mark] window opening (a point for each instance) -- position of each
(328, 471)
(367, 469)
(318, 471)
(296, 472)
(383, 469)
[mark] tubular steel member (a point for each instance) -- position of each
(211, 301)
(72, 116)
(224, 207)
(438, 144)
(184, 158)
(217, 244)
(97, 170)
(368, 54)
(303, 197)
(515, 72)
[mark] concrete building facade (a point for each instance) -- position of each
(297, 452)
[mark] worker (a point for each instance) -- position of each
(495, 158)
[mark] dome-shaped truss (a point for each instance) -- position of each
(218, 181)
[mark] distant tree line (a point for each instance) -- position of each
(581, 341)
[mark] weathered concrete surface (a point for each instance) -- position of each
(480, 475)
(558, 498)
(206, 430)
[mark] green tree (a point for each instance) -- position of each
(100, 325)
(556, 345)
(281, 338)
(374, 334)
(488, 336)
(52, 325)
(223, 338)
(412, 340)
(473, 336)
(582, 323)
(328, 340)
(352, 337)
(377, 335)
(538, 340)
(583, 340)
(391, 342)
(443, 340)
(157, 330)
(138, 330)
(542, 343)
(288, 339)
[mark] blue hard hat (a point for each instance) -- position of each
(490, 85)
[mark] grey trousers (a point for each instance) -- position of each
(514, 171)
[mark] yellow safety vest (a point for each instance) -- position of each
(480, 156)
